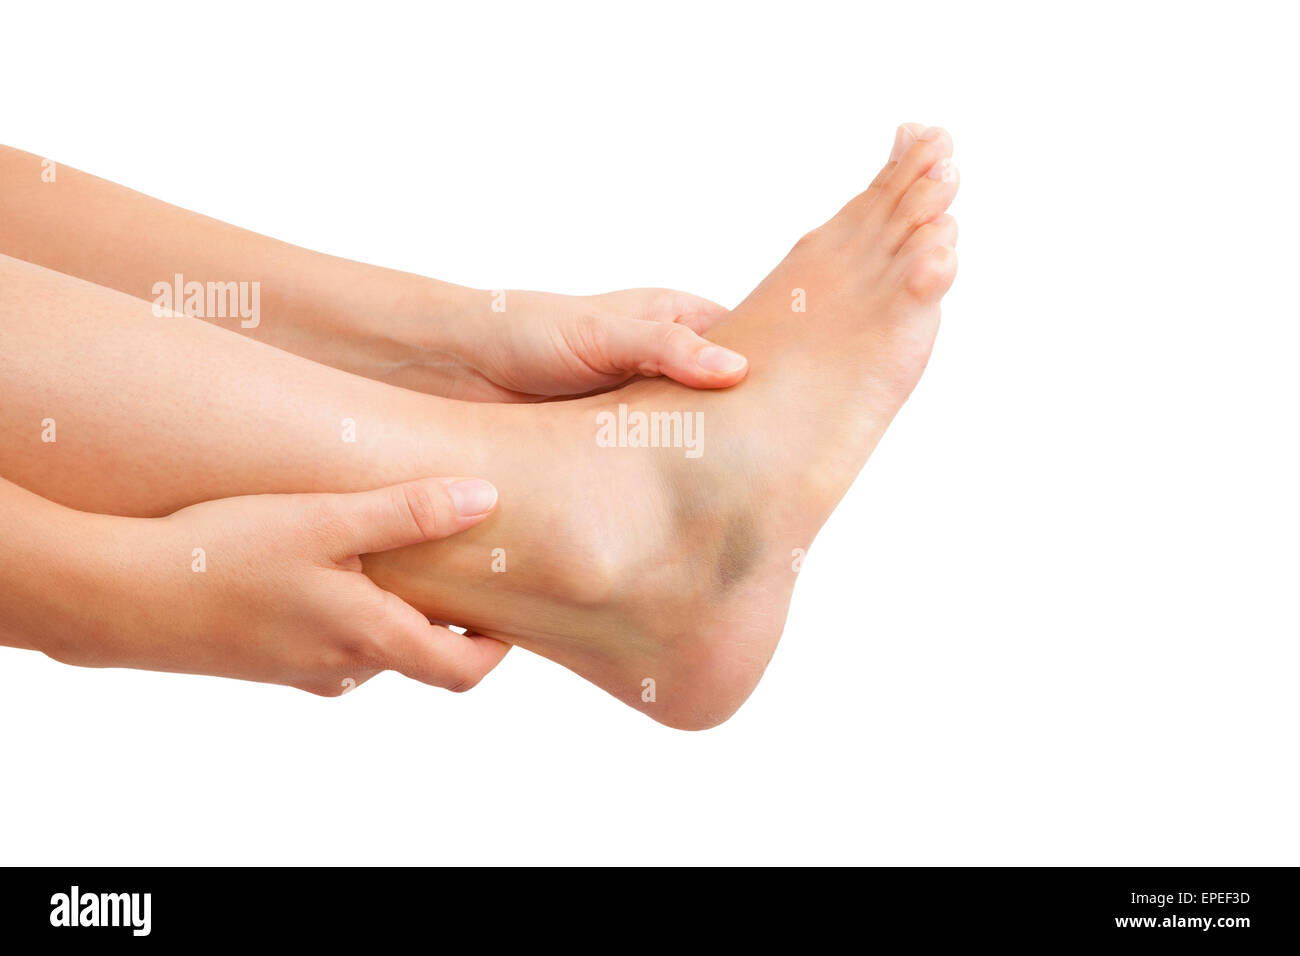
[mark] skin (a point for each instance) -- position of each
(277, 596)
(391, 326)
(624, 564)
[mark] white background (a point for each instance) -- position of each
(1054, 621)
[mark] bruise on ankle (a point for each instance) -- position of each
(725, 536)
(739, 549)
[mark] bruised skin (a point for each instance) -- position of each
(642, 563)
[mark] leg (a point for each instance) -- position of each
(622, 563)
(151, 414)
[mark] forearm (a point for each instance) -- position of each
(53, 569)
(358, 317)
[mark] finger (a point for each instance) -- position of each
(693, 311)
(437, 655)
(667, 348)
(405, 514)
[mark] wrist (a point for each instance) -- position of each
(428, 335)
(361, 318)
(60, 579)
(433, 320)
(399, 327)
(113, 602)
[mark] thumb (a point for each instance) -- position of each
(671, 349)
(408, 513)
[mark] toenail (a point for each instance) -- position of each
(902, 140)
(944, 171)
(717, 359)
(933, 133)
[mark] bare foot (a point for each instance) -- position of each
(664, 574)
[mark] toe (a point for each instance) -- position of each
(928, 274)
(923, 203)
(941, 232)
(931, 146)
(905, 137)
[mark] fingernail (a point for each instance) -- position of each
(944, 171)
(717, 359)
(472, 497)
(932, 133)
(902, 139)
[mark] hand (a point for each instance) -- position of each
(539, 345)
(270, 588)
(396, 327)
